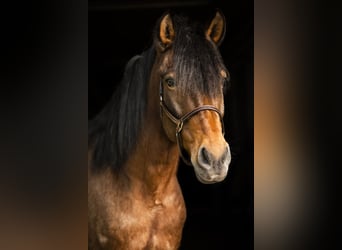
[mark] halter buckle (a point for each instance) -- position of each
(179, 127)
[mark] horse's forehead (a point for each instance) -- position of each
(166, 61)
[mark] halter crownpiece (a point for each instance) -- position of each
(179, 122)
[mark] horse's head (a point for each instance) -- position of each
(191, 79)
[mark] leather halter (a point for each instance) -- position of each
(179, 122)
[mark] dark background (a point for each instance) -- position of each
(44, 112)
(219, 216)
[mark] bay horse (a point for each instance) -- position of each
(170, 104)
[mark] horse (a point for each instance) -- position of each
(169, 104)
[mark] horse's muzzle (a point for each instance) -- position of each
(210, 168)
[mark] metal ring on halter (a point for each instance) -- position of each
(179, 127)
(179, 122)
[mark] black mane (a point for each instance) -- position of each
(113, 132)
(197, 61)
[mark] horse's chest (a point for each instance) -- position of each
(157, 227)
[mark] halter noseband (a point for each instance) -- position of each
(179, 122)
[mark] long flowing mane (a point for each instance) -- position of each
(114, 131)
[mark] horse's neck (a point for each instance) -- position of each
(154, 163)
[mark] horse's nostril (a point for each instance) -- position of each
(208, 160)
(205, 157)
(225, 155)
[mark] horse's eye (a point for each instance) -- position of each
(170, 82)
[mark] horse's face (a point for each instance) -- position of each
(201, 135)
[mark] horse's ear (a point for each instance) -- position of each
(166, 33)
(217, 28)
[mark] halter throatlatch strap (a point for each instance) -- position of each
(179, 122)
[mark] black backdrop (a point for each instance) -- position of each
(219, 216)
